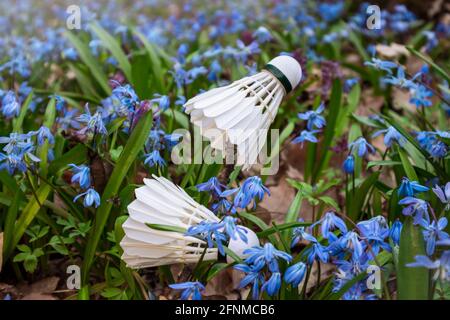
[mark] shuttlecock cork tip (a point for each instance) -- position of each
(287, 70)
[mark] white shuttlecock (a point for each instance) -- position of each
(241, 113)
(162, 202)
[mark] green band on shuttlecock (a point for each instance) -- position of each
(280, 76)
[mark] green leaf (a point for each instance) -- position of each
(280, 227)
(49, 120)
(412, 283)
(407, 166)
(18, 123)
(381, 163)
(132, 148)
(87, 57)
(162, 227)
(112, 45)
(11, 216)
(216, 268)
(76, 155)
(28, 214)
(293, 212)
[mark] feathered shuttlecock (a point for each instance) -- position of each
(241, 113)
(162, 202)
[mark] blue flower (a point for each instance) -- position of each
(410, 188)
(381, 64)
(267, 255)
(190, 290)
(433, 232)
(251, 188)
(15, 142)
(362, 147)
(262, 35)
(441, 265)
(299, 233)
(349, 164)
(314, 118)
(316, 252)
(231, 229)
(12, 162)
(253, 275)
(415, 207)
(154, 159)
(391, 136)
(214, 70)
(94, 122)
(395, 232)
(272, 286)
(306, 136)
(400, 80)
(10, 105)
(68, 120)
(375, 231)
(295, 274)
(350, 242)
(420, 96)
(44, 134)
(350, 83)
(211, 232)
(443, 193)
(212, 185)
(126, 95)
(81, 175)
(162, 100)
(91, 197)
(330, 222)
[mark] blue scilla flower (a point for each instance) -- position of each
(314, 118)
(91, 198)
(253, 276)
(410, 188)
(60, 103)
(306, 136)
(330, 11)
(420, 96)
(273, 285)
(190, 290)
(330, 222)
(15, 142)
(81, 175)
(295, 274)
(349, 164)
(44, 134)
(443, 193)
(267, 255)
(68, 120)
(316, 251)
(400, 80)
(441, 265)
(213, 185)
(300, 233)
(395, 232)
(262, 35)
(94, 123)
(223, 205)
(163, 101)
(381, 64)
(417, 208)
(211, 232)
(375, 231)
(12, 162)
(391, 135)
(361, 146)
(433, 232)
(251, 189)
(351, 242)
(232, 230)
(10, 105)
(214, 70)
(350, 83)
(154, 159)
(126, 95)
